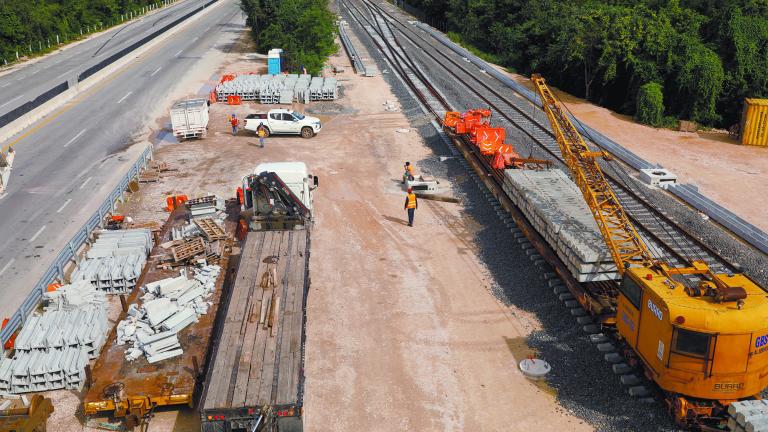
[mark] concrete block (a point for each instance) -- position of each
(639, 391)
(584, 320)
(614, 358)
(591, 328)
(606, 347)
(630, 380)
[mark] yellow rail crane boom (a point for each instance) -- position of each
(703, 340)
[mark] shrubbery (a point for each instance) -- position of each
(706, 55)
(650, 104)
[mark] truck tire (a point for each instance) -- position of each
(307, 132)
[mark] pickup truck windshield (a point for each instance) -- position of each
(298, 115)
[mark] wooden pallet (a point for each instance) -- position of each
(189, 249)
(211, 230)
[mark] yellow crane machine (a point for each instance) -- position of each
(701, 336)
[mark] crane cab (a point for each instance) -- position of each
(694, 343)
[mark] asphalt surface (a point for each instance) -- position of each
(68, 162)
(29, 80)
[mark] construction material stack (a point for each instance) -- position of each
(155, 356)
(54, 346)
(255, 381)
(748, 416)
(555, 207)
(273, 89)
(115, 260)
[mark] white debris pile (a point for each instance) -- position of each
(115, 260)
(168, 306)
(53, 347)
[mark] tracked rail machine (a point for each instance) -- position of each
(701, 336)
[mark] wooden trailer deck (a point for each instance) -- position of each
(253, 364)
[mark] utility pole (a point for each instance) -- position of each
(57, 39)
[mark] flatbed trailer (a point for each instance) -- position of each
(133, 389)
(255, 381)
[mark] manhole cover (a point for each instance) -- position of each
(535, 368)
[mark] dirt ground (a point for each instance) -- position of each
(403, 332)
(727, 172)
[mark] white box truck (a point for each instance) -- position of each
(189, 118)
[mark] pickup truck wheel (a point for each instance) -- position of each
(307, 132)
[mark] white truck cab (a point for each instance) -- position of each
(284, 121)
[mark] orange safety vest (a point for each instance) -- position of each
(411, 201)
(409, 168)
(234, 121)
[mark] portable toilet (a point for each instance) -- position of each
(274, 66)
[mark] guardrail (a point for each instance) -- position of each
(61, 88)
(685, 192)
(69, 253)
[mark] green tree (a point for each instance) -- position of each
(650, 104)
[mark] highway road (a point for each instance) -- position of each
(29, 80)
(68, 162)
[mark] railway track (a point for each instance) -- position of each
(411, 52)
(668, 240)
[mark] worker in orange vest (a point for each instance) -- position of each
(411, 205)
(407, 172)
(235, 122)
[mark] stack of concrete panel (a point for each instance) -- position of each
(556, 208)
(746, 416)
(168, 306)
(115, 260)
(283, 89)
(53, 347)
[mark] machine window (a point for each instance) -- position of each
(631, 290)
(692, 343)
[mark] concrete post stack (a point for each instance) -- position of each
(115, 260)
(743, 416)
(53, 347)
(555, 207)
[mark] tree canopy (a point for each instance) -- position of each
(304, 29)
(706, 55)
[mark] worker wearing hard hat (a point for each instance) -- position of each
(411, 205)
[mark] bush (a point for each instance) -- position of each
(650, 104)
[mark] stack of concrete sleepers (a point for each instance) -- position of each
(748, 416)
(168, 306)
(115, 260)
(53, 347)
(555, 207)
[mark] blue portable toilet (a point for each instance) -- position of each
(274, 61)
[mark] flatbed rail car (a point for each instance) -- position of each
(255, 381)
(133, 389)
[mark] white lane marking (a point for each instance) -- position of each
(124, 97)
(8, 264)
(34, 72)
(156, 71)
(40, 231)
(85, 182)
(5, 85)
(177, 54)
(196, 38)
(17, 97)
(76, 137)
(66, 203)
(101, 165)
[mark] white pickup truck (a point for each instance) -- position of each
(283, 121)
